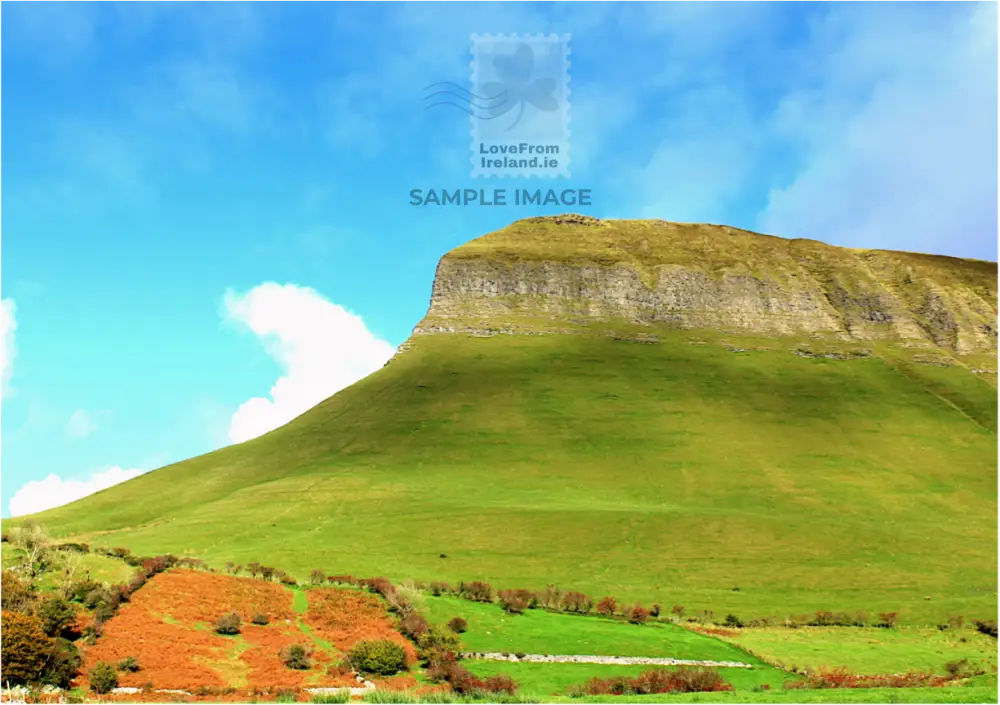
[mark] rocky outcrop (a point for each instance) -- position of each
(556, 274)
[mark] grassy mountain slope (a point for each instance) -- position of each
(672, 471)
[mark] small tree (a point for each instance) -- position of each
(62, 665)
(457, 625)
(103, 678)
(677, 611)
(607, 607)
(317, 577)
(380, 657)
(15, 594)
(228, 624)
(57, 615)
(295, 657)
(26, 648)
(638, 614)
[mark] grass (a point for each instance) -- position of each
(858, 695)
(541, 632)
(600, 465)
(871, 650)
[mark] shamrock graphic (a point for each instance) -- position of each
(515, 87)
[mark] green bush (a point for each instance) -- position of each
(228, 624)
(295, 657)
(129, 664)
(57, 615)
(103, 678)
(380, 657)
(63, 664)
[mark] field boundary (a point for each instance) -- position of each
(616, 660)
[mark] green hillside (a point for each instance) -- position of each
(674, 471)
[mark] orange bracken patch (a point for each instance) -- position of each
(345, 617)
(169, 627)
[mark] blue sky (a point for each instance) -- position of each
(206, 212)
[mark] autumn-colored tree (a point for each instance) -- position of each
(26, 648)
(15, 594)
(638, 614)
(608, 606)
(577, 602)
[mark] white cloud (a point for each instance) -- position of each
(8, 324)
(322, 347)
(53, 491)
(81, 424)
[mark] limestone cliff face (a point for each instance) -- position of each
(560, 273)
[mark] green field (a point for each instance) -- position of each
(872, 650)
(668, 472)
(541, 632)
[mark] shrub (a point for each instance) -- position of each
(684, 680)
(577, 602)
(62, 666)
(103, 678)
(655, 612)
(267, 572)
(414, 626)
(26, 648)
(956, 669)
(956, 621)
(987, 626)
(295, 657)
(15, 594)
(317, 577)
(477, 591)
(381, 657)
(288, 580)
(677, 611)
(608, 606)
(887, 620)
(550, 597)
(732, 621)
(437, 642)
(228, 624)
(260, 619)
(517, 601)
(638, 614)
(56, 615)
(129, 664)
(500, 683)
(457, 625)
(841, 678)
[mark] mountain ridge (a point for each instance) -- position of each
(549, 272)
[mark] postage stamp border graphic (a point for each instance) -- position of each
(562, 40)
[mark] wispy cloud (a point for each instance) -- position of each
(8, 348)
(81, 424)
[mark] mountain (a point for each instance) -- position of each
(669, 412)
